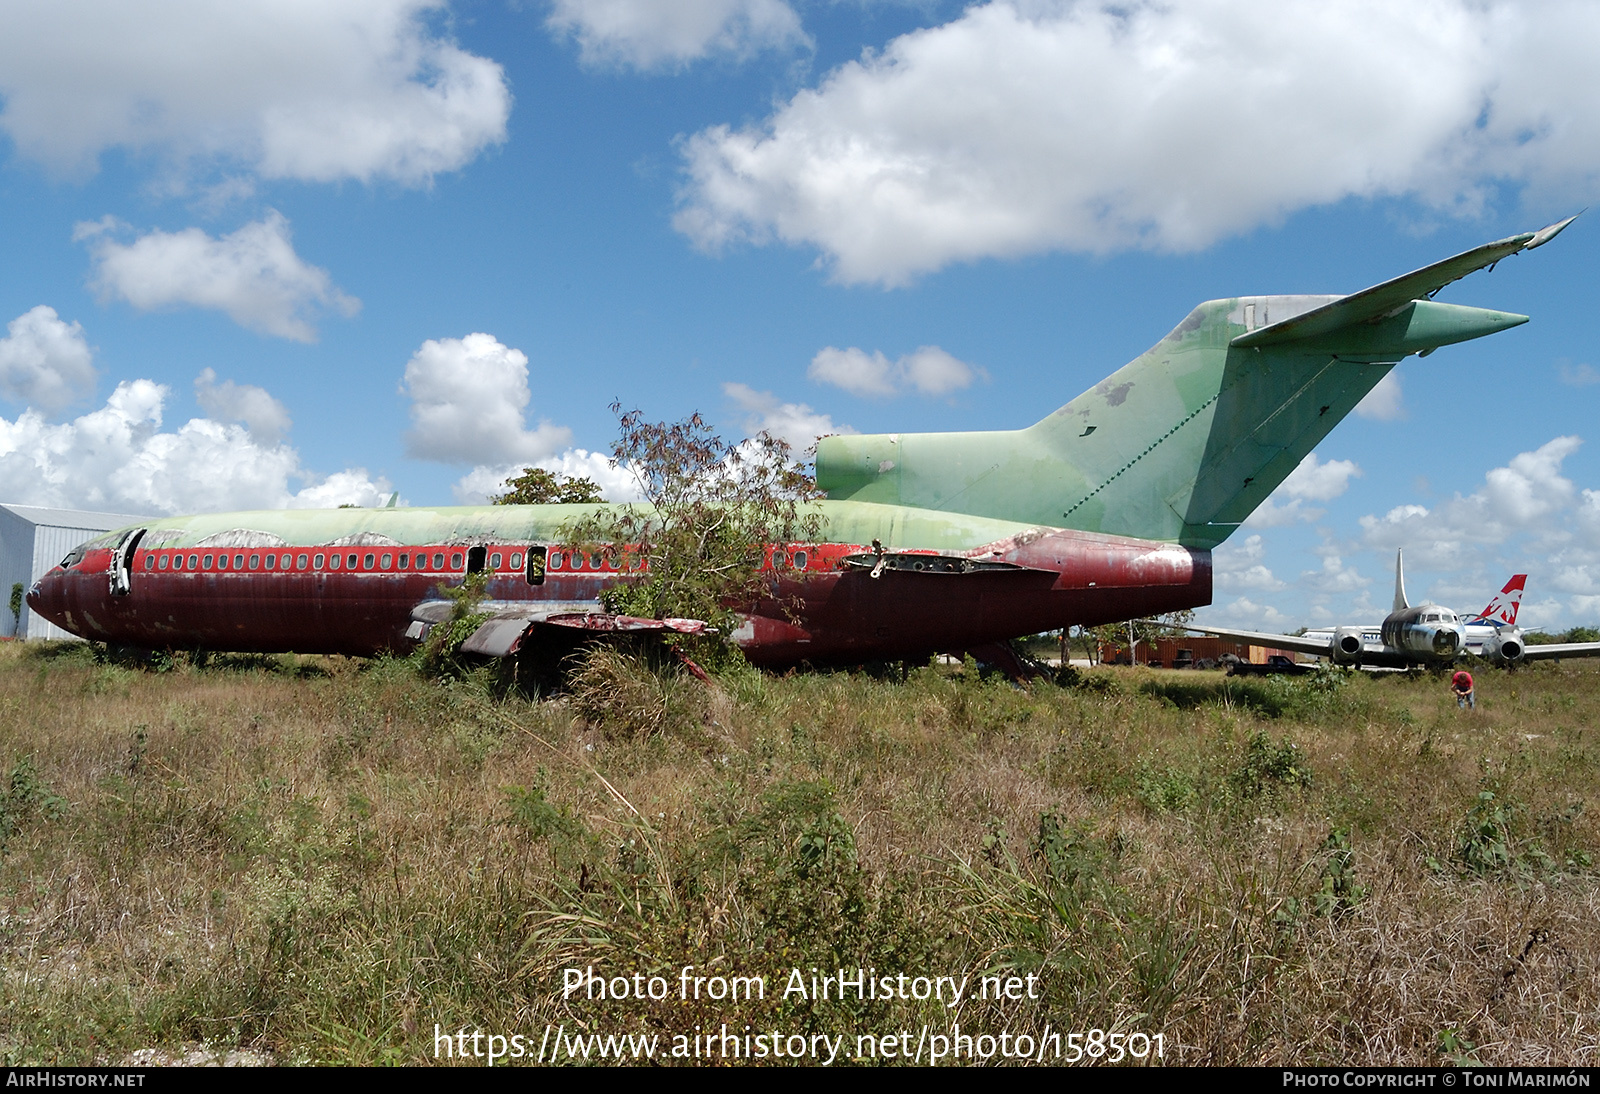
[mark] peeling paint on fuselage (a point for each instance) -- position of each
(823, 613)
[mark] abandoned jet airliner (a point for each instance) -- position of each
(1105, 510)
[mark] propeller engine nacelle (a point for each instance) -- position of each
(1506, 647)
(1347, 646)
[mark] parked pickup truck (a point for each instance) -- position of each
(1275, 665)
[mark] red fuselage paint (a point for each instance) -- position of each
(822, 613)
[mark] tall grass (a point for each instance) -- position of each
(324, 859)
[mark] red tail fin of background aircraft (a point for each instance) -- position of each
(1503, 608)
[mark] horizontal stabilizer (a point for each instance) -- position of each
(1382, 301)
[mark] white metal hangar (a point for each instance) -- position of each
(33, 539)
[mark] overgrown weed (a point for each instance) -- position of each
(326, 866)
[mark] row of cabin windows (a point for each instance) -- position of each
(566, 561)
(354, 560)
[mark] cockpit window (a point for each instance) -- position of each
(75, 556)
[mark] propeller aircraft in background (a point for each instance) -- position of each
(1423, 635)
(1105, 510)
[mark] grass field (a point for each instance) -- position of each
(330, 861)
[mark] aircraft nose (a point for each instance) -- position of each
(44, 599)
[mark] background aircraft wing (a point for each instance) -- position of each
(1316, 647)
(1382, 300)
(1561, 649)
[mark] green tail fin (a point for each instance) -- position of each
(1185, 441)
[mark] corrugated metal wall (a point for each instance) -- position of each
(50, 545)
(28, 551)
(16, 566)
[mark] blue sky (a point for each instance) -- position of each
(261, 254)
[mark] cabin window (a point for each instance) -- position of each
(535, 571)
(799, 560)
(438, 561)
(272, 562)
(556, 560)
(516, 560)
(405, 562)
(238, 562)
(366, 561)
(300, 562)
(388, 561)
(162, 562)
(494, 561)
(333, 562)
(208, 561)
(177, 562)
(318, 561)
(455, 561)
(255, 562)
(149, 562)
(194, 562)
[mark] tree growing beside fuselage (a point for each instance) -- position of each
(696, 546)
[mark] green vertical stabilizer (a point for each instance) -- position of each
(1185, 441)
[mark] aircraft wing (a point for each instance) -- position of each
(1381, 301)
(502, 633)
(1561, 649)
(1316, 647)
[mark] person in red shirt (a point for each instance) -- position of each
(1461, 684)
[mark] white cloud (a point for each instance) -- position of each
(467, 401)
(1240, 566)
(265, 417)
(930, 371)
(794, 423)
(648, 34)
(1026, 126)
(1579, 375)
(45, 362)
(118, 459)
(1246, 614)
(1334, 577)
(1310, 481)
(616, 483)
(1385, 402)
(362, 89)
(253, 275)
(1523, 497)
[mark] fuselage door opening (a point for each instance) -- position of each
(475, 558)
(536, 559)
(122, 562)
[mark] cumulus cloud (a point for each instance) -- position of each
(1385, 402)
(1247, 614)
(1525, 496)
(253, 275)
(1311, 481)
(794, 423)
(265, 417)
(1026, 126)
(467, 401)
(1240, 566)
(117, 458)
(367, 89)
(1579, 375)
(44, 361)
(616, 483)
(929, 371)
(647, 34)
